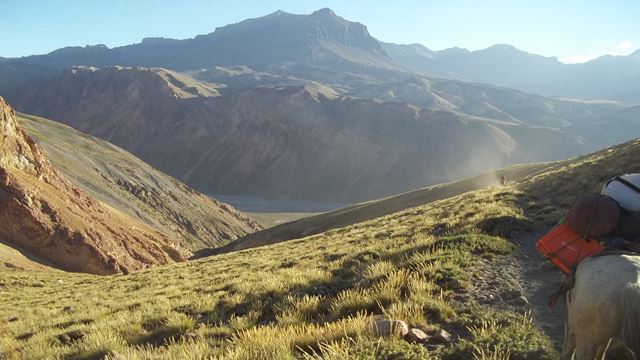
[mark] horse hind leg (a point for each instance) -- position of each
(630, 332)
(586, 351)
(569, 343)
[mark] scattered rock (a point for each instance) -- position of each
(60, 281)
(13, 319)
(190, 336)
(416, 336)
(70, 337)
(387, 327)
(520, 300)
(441, 337)
(67, 308)
(511, 294)
(439, 229)
(434, 348)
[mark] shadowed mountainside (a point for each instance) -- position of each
(321, 39)
(305, 142)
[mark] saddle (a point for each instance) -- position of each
(569, 279)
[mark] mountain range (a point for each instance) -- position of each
(109, 161)
(313, 107)
(290, 44)
(308, 141)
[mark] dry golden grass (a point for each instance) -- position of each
(309, 298)
(356, 213)
(303, 298)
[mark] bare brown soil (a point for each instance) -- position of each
(522, 282)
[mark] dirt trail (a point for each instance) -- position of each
(523, 281)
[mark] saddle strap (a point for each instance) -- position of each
(626, 183)
(564, 288)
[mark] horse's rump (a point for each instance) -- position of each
(630, 333)
(603, 305)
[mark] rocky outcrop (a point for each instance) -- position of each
(45, 214)
(124, 182)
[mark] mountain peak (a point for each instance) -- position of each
(278, 13)
(503, 47)
(324, 12)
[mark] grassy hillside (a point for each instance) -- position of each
(372, 209)
(315, 297)
(13, 257)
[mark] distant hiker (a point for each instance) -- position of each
(439, 229)
(503, 180)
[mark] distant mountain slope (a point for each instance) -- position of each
(44, 213)
(491, 102)
(13, 257)
(134, 188)
(607, 77)
(305, 142)
(548, 188)
(17, 77)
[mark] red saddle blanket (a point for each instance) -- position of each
(566, 248)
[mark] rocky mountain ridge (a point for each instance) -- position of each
(127, 184)
(44, 213)
(306, 141)
(321, 41)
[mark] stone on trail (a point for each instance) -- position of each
(441, 337)
(388, 327)
(416, 336)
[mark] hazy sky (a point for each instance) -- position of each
(572, 30)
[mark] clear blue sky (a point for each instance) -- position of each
(563, 28)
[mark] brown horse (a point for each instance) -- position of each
(603, 307)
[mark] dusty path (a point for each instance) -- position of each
(523, 282)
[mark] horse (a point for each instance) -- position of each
(603, 308)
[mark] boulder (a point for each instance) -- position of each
(388, 327)
(441, 337)
(416, 336)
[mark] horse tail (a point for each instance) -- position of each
(631, 322)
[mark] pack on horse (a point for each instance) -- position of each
(598, 247)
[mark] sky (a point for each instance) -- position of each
(573, 31)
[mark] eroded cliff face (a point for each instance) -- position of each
(132, 187)
(45, 214)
